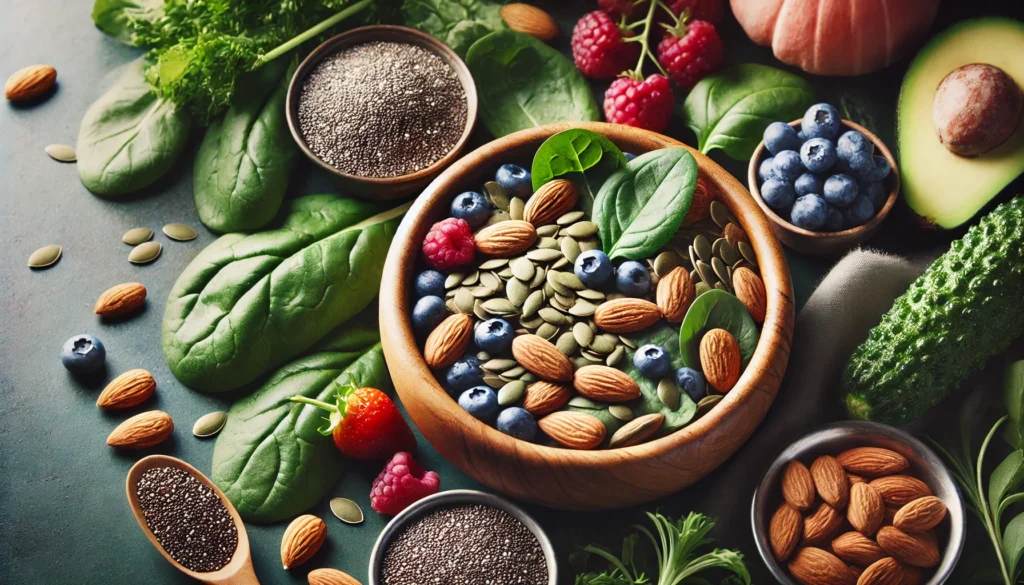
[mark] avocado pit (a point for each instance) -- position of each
(976, 108)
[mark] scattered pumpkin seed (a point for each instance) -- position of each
(45, 257)
(516, 207)
(499, 307)
(472, 278)
(720, 286)
(528, 378)
(707, 403)
(145, 253)
(570, 280)
(593, 356)
(666, 262)
(539, 277)
(210, 424)
(453, 280)
(548, 244)
(556, 286)
(179, 232)
(590, 294)
(483, 356)
(552, 316)
(464, 301)
(700, 287)
(707, 274)
(514, 372)
(522, 268)
(61, 153)
(136, 236)
(583, 402)
(668, 393)
(479, 311)
(544, 255)
(567, 343)
(583, 334)
(533, 303)
(570, 218)
(719, 213)
(560, 263)
(498, 365)
(582, 229)
(570, 248)
(517, 291)
(547, 331)
(615, 356)
(481, 292)
(511, 393)
(590, 244)
(531, 322)
(548, 231)
(494, 264)
(621, 412)
(582, 308)
(728, 253)
(505, 273)
(720, 270)
(627, 342)
(604, 344)
(693, 256)
(494, 381)
(497, 195)
(702, 246)
(747, 252)
(498, 218)
(491, 281)
(347, 511)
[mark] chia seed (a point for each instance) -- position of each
(187, 518)
(382, 109)
(465, 545)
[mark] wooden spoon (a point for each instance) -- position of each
(239, 570)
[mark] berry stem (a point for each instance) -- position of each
(644, 40)
(317, 403)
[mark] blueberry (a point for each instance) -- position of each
(629, 156)
(808, 183)
(852, 142)
(875, 192)
(633, 279)
(428, 313)
(840, 190)
(430, 283)
(821, 121)
(765, 170)
(82, 354)
(516, 181)
(809, 212)
(472, 207)
(859, 212)
(834, 221)
(652, 361)
(879, 169)
(481, 402)
(593, 267)
(464, 373)
(517, 422)
(858, 164)
(692, 382)
(494, 336)
(780, 136)
(787, 165)
(778, 194)
(818, 155)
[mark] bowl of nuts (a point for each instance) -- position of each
(858, 503)
(586, 316)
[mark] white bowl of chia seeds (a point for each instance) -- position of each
(463, 536)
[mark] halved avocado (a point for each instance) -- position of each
(944, 189)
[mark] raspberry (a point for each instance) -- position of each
(449, 244)
(598, 47)
(401, 483)
(707, 10)
(642, 104)
(690, 52)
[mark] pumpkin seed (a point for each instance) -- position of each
(702, 246)
(494, 381)
(547, 244)
(516, 207)
(497, 195)
(498, 218)
(747, 252)
(566, 343)
(590, 244)
(533, 303)
(707, 274)
(730, 276)
(556, 286)
(481, 292)
(615, 356)
(493, 263)
(570, 248)
(511, 393)
(539, 276)
(720, 213)
(604, 344)
(582, 308)
(179, 232)
(45, 257)
(499, 307)
(210, 424)
(347, 511)
(720, 269)
(505, 273)
(464, 301)
(666, 262)
(627, 342)
(491, 281)
(483, 356)
(472, 278)
(582, 229)
(544, 255)
(552, 316)
(548, 231)
(453, 280)
(583, 334)
(707, 403)
(621, 412)
(478, 310)
(514, 372)
(528, 378)
(561, 263)
(532, 322)
(700, 288)
(522, 268)
(145, 253)
(571, 280)
(614, 295)
(728, 253)
(497, 365)
(136, 236)
(517, 291)
(721, 286)
(61, 153)
(450, 304)
(570, 218)
(668, 394)
(558, 302)
(693, 256)
(694, 276)
(547, 331)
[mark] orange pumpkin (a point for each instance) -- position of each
(836, 37)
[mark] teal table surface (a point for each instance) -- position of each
(63, 513)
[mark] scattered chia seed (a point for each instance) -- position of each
(465, 545)
(382, 109)
(188, 519)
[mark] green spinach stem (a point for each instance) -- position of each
(992, 523)
(310, 33)
(321, 404)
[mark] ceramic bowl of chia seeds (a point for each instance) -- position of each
(463, 536)
(382, 109)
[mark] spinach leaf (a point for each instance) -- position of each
(731, 109)
(1013, 546)
(241, 171)
(249, 303)
(1013, 396)
(524, 83)
(269, 459)
(640, 207)
(116, 17)
(456, 23)
(129, 137)
(585, 157)
(716, 309)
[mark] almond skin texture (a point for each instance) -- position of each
(867, 510)
(813, 566)
(30, 82)
(626, 315)
(899, 490)
(720, 359)
(830, 481)
(734, 233)
(529, 20)
(916, 550)
(884, 572)
(822, 525)
(574, 430)
(700, 207)
(750, 290)
(331, 577)
(914, 576)
(545, 397)
(873, 461)
(921, 515)
(797, 486)
(123, 299)
(675, 294)
(505, 238)
(784, 531)
(637, 430)
(605, 384)
(142, 430)
(853, 478)
(301, 540)
(541, 358)
(448, 341)
(553, 200)
(857, 549)
(129, 389)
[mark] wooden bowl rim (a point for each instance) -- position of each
(893, 179)
(398, 335)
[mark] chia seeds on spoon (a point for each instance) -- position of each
(465, 545)
(382, 109)
(187, 518)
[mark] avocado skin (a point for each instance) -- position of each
(964, 309)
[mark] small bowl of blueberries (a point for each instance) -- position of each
(824, 182)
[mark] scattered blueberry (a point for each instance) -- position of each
(593, 267)
(809, 212)
(840, 190)
(834, 221)
(464, 373)
(808, 183)
(629, 156)
(652, 361)
(818, 155)
(779, 136)
(632, 279)
(858, 164)
(875, 192)
(778, 194)
(879, 169)
(82, 354)
(427, 313)
(787, 165)
(859, 212)
(472, 207)
(494, 336)
(852, 142)
(803, 137)
(516, 181)
(692, 382)
(517, 422)
(481, 402)
(430, 283)
(821, 121)
(765, 171)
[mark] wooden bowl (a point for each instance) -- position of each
(826, 243)
(563, 478)
(381, 188)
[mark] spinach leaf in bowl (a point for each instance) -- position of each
(456, 23)
(716, 309)
(585, 157)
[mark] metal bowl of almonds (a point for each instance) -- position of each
(858, 503)
(599, 332)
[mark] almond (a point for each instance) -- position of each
(916, 550)
(637, 430)
(505, 238)
(129, 389)
(553, 200)
(857, 549)
(813, 566)
(872, 461)
(675, 294)
(546, 397)
(913, 576)
(529, 20)
(822, 525)
(720, 359)
(784, 531)
(920, 515)
(797, 486)
(734, 233)
(626, 315)
(867, 511)
(750, 290)
(142, 430)
(448, 341)
(574, 430)
(830, 481)
(32, 81)
(121, 300)
(700, 206)
(301, 540)
(605, 384)
(331, 577)
(541, 358)
(853, 478)
(882, 572)
(890, 515)
(899, 490)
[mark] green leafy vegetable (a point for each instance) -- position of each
(641, 206)
(716, 309)
(1013, 394)
(118, 18)
(524, 83)
(731, 109)
(456, 23)
(585, 157)
(129, 137)
(241, 171)
(249, 303)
